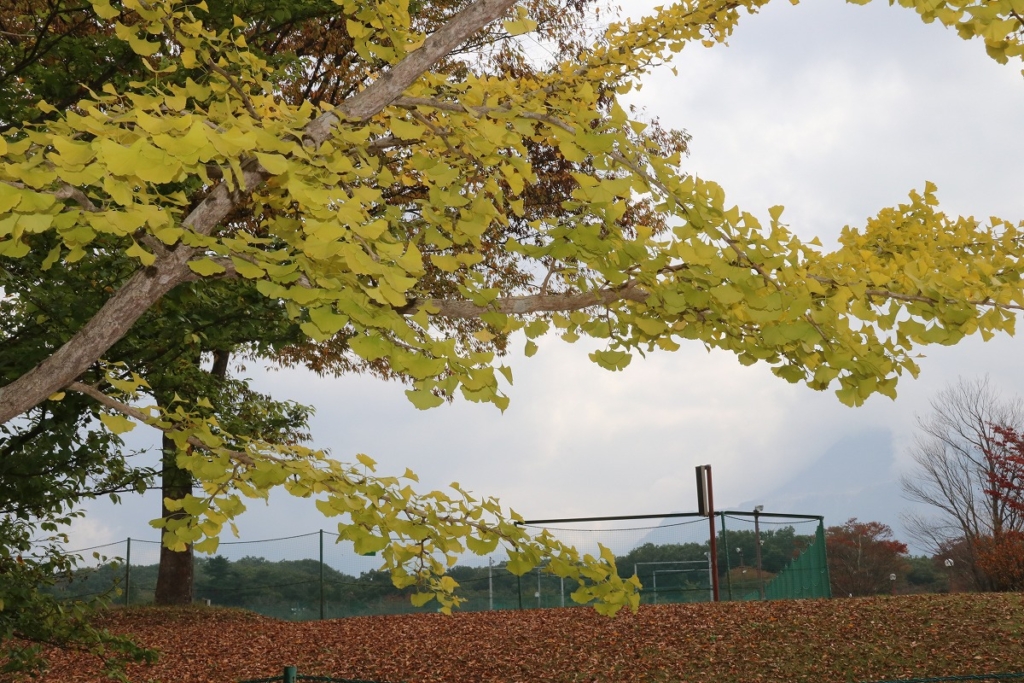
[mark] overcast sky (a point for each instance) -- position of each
(834, 111)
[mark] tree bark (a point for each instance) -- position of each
(174, 579)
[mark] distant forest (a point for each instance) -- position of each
(291, 589)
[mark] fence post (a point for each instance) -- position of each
(321, 574)
(128, 573)
(490, 583)
(713, 546)
(290, 674)
(823, 558)
(728, 567)
(519, 580)
(757, 550)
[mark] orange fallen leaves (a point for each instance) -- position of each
(819, 641)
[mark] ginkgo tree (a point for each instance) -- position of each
(43, 50)
(219, 176)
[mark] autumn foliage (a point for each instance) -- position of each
(832, 641)
(1006, 467)
(1001, 555)
(1002, 560)
(862, 557)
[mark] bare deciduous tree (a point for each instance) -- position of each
(956, 455)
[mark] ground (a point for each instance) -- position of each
(820, 641)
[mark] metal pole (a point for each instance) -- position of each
(128, 573)
(289, 674)
(519, 582)
(728, 567)
(714, 544)
(490, 583)
(757, 549)
(655, 581)
(538, 586)
(562, 590)
(712, 592)
(321, 574)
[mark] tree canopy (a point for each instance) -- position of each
(433, 205)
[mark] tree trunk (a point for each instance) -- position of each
(174, 582)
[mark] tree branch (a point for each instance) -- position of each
(535, 303)
(143, 417)
(382, 92)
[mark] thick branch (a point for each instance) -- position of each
(536, 303)
(391, 85)
(142, 290)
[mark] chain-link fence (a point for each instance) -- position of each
(313, 576)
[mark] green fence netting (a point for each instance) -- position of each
(804, 577)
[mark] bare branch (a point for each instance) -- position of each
(954, 461)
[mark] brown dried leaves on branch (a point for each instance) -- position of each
(821, 641)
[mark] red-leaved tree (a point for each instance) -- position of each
(1001, 555)
(1006, 468)
(862, 556)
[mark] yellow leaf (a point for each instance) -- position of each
(206, 267)
(273, 163)
(421, 599)
(103, 9)
(520, 27)
(118, 424)
(136, 251)
(141, 46)
(247, 269)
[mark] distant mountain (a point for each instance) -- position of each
(855, 477)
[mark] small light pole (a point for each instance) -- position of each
(538, 587)
(892, 583)
(757, 547)
(949, 573)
